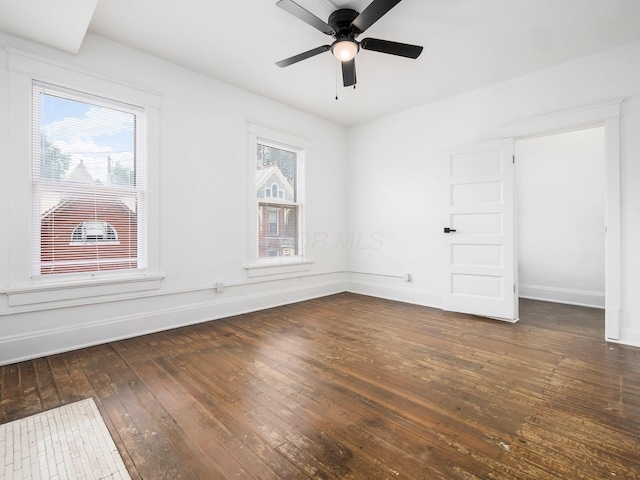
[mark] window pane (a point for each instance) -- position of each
(98, 139)
(88, 232)
(278, 230)
(276, 173)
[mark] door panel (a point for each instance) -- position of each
(481, 223)
(477, 285)
(483, 255)
(481, 249)
(489, 191)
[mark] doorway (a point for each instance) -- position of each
(560, 196)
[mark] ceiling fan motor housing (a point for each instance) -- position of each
(340, 21)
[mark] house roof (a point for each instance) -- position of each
(69, 202)
(264, 176)
(80, 174)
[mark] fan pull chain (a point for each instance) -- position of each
(337, 79)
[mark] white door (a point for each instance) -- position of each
(481, 276)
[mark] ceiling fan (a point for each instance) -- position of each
(345, 25)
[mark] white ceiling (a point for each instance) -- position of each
(61, 24)
(468, 43)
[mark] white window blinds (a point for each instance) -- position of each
(88, 183)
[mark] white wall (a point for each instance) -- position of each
(204, 179)
(398, 178)
(385, 219)
(561, 196)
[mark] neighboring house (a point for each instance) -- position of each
(87, 231)
(277, 215)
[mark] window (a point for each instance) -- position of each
(94, 232)
(273, 223)
(88, 183)
(278, 178)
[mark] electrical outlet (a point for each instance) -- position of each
(219, 287)
(407, 277)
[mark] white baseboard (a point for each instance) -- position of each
(562, 295)
(397, 293)
(50, 341)
(56, 340)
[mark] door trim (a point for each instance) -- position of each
(606, 113)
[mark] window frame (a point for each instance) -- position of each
(29, 292)
(259, 266)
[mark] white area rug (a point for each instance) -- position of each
(68, 442)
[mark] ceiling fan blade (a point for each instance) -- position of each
(303, 56)
(392, 48)
(349, 73)
(306, 16)
(373, 13)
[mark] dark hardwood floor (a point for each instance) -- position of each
(349, 386)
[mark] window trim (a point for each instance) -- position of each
(23, 69)
(256, 266)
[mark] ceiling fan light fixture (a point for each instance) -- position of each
(345, 50)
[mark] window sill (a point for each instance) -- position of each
(277, 267)
(76, 290)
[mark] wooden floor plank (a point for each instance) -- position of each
(46, 385)
(62, 380)
(11, 398)
(353, 387)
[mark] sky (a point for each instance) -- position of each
(88, 132)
